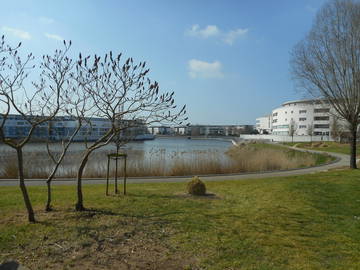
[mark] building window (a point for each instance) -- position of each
(321, 126)
(321, 118)
(275, 114)
(302, 111)
(283, 126)
(321, 133)
(292, 111)
(274, 121)
(302, 119)
(302, 126)
(280, 126)
(323, 110)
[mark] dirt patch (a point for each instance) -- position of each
(97, 240)
(316, 145)
(324, 145)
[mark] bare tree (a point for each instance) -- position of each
(310, 130)
(36, 105)
(57, 158)
(326, 63)
(77, 107)
(292, 129)
(121, 91)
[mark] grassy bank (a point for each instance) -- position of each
(302, 222)
(246, 158)
(335, 147)
(253, 157)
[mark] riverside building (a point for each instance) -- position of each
(305, 117)
(62, 127)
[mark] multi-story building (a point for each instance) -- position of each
(63, 127)
(202, 130)
(304, 117)
(264, 124)
(218, 130)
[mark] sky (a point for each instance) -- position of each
(228, 61)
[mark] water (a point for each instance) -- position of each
(180, 145)
(169, 145)
(159, 154)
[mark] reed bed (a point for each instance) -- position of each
(245, 158)
(251, 158)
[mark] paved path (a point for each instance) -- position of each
(342, 161)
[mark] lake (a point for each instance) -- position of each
(162, 156)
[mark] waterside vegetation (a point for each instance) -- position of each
(249, 157)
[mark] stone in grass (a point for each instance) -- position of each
(12, 265)
(196, 187)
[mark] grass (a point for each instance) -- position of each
(335, 147)
(301, 222)
(248, 158)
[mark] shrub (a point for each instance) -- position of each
(196, 187)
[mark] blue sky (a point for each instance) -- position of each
(228, 61)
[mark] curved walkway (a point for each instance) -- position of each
(342, 160)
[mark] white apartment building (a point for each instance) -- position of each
(264, 124)
(306, 116)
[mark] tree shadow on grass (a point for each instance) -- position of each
(92, 212)
(152, 196)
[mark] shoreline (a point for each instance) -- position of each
(342, 159)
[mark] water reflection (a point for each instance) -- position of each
(162, 156)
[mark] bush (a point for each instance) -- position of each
(196, 187)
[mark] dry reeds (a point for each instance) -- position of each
(250, 159)
(245, 158)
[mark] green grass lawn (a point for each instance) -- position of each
(302, 222)
(342, 148)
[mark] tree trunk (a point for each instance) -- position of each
(125, 175)
(353, 147)
(79, 204)
(48, 207)
(107, 176)
(25, 194)
(116, 169)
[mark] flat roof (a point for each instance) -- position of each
(303, 101)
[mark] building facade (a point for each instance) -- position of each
(63, 127)
(264, 124)
(302, 117)
(202, 130)
(218, 130)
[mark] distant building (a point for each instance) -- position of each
(306, 116)
(63, 127)
(264, 124)
(218, 130)
(203, 130)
